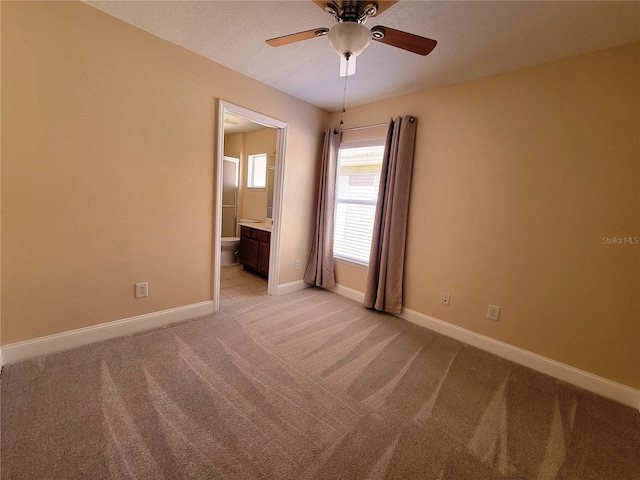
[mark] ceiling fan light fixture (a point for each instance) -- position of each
(347, 65)
(349, 38)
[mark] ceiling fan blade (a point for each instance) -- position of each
(322, 3)
(382, 6)
(297, 37)
(406, 41)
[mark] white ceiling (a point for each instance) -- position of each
(475, 39)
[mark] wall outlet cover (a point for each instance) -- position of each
(493, 313)
(142, 290)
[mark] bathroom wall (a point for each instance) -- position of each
(252, 202)
(233, 144)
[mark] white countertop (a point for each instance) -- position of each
(258, 226)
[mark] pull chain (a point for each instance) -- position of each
(344, 93)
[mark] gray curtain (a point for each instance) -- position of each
(386, 261)
(320, 267)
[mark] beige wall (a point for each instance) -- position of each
(517, 178)
(107, 180)
(108, 151)
(0, 182)
(254, 201)
(233, 144)
(252, 204)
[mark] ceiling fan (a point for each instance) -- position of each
(349, 37)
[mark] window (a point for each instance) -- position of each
(357, 184)
(257, 171)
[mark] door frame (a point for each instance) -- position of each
(281, 127)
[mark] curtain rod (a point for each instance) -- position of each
(335, 130)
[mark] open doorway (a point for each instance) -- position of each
(251, 211)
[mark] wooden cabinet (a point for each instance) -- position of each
(263, 259)
(249, 250)
(255, 249)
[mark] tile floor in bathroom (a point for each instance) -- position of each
(236, 284)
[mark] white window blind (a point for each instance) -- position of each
(257, 171)
(358, 180)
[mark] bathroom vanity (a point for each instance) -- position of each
(255, 248)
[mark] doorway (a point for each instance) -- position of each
(227, 110)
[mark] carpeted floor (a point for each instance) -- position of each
(304, 386)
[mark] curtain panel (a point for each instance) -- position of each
(386, 261)
(319, 270)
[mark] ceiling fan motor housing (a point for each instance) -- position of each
(351, 10)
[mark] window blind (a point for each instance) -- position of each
(358, 180)
(257, 171)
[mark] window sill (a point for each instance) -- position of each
(351, 262)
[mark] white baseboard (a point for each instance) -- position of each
(349, 293)
(588, 381)
(292, 287)
(16, 352)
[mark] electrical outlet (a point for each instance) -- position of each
(297, 265)
(445, 298)
(493, 313)
(142, 290)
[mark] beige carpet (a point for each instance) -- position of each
(304, 386)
